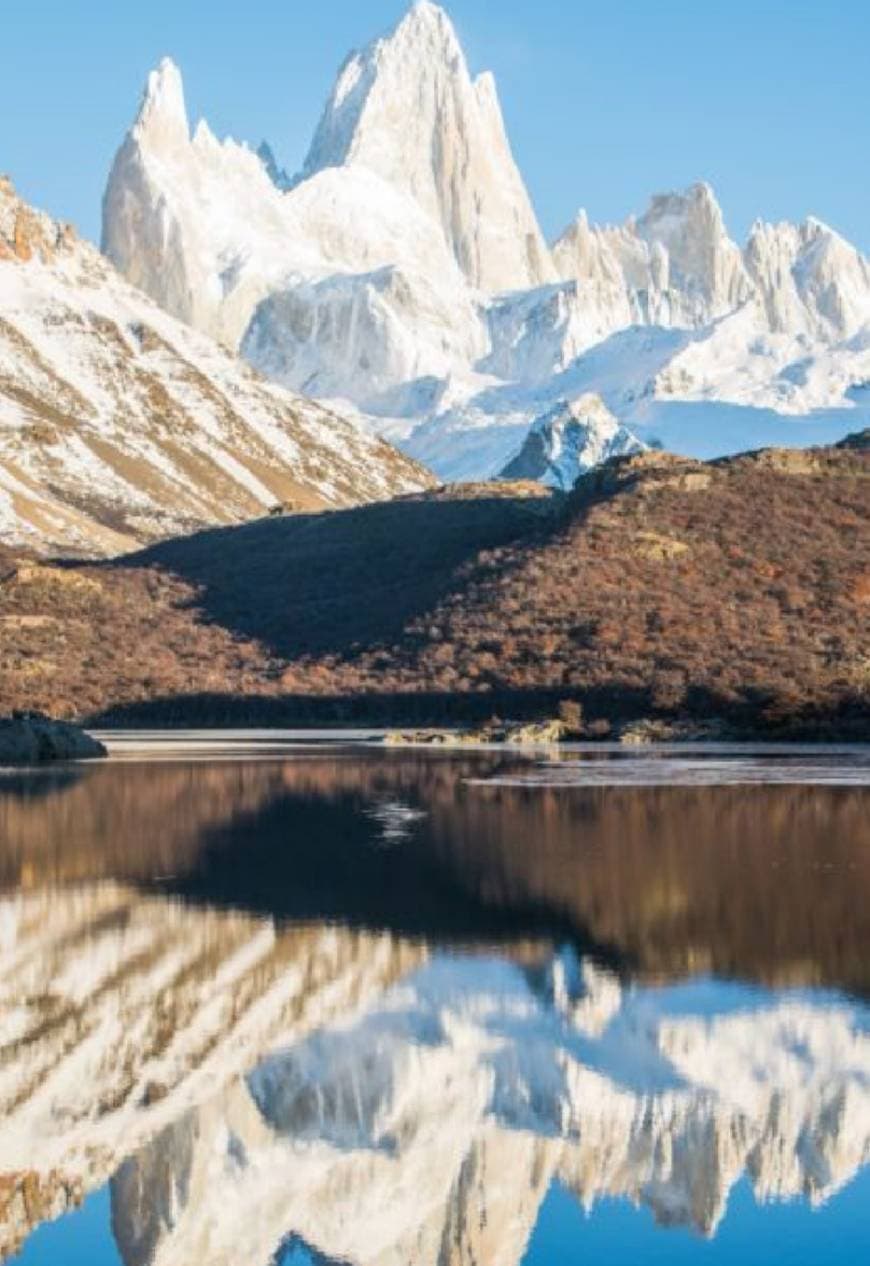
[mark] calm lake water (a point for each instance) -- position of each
(268, 1002)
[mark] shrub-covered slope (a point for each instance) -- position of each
(739, 588)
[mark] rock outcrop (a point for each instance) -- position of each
(569, 440)
(30, 739)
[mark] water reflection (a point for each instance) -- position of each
(359, 1007)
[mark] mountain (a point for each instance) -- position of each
(407, 109)
(121, 424)
(441, 318)
(568, 441)
(676, 265)
(201, 227)
(661, 585)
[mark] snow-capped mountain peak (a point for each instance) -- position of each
(403, 276)
(809, 279)
(421, 49)
(570, 439)
(162, 117)
(407, 109)
(702, 260)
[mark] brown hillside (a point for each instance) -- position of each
(738, 588)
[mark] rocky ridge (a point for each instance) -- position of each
(119, 425)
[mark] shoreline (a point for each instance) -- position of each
(446, 740)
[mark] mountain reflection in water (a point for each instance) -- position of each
(373, 1007)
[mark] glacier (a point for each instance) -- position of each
(402, 276)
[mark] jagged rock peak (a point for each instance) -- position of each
(809, 279)
(703, 260)
(424, 43)
(569, 440)
(407, 109)
(162, 114)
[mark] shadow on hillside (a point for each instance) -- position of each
(329, 583)
(383, 710)
(614, 702)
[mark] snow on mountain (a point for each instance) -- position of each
(570, 439)
(201, 227)
(407, 109)
(676, 265)
(403, 278)
(119, 424)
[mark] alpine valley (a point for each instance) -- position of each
(402, 279)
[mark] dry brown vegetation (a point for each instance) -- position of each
(739, 588)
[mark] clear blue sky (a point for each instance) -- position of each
(606, 102)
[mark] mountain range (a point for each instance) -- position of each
(402, 277)
(252, 340)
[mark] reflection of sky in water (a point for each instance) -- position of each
(751, 1235)
(565, 1235)
(533, 979)
(82, 1238)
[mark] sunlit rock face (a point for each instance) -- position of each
(403, 275)
(407, 108)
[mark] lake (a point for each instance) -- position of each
(272, 1000)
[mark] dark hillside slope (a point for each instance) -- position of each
(738, 588)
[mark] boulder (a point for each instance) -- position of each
(29, 738)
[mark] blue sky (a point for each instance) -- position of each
(606, 102)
